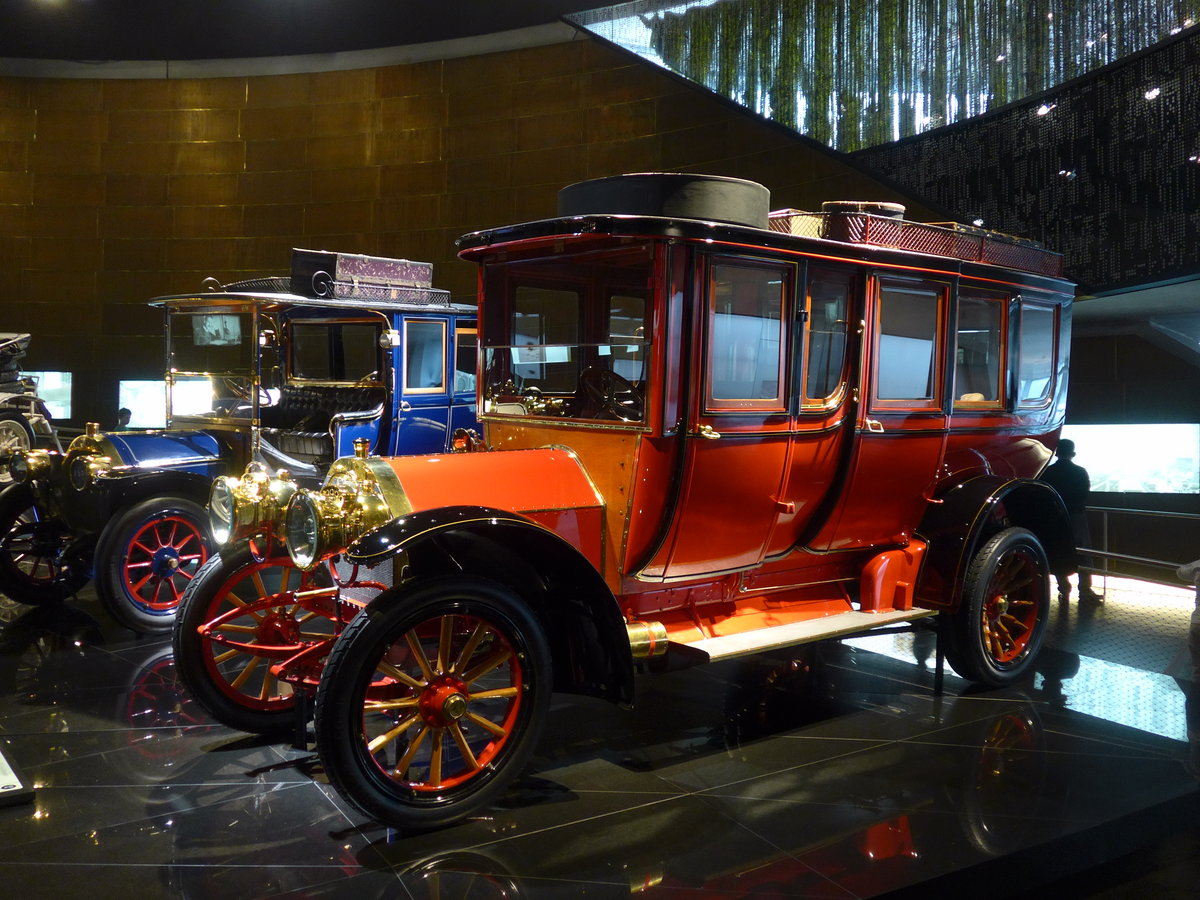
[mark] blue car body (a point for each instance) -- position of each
(290, 371)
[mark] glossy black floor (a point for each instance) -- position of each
(836, 771)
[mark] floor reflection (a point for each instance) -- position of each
(836, 770)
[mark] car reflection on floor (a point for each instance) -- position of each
(832, 770)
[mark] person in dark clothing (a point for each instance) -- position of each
(1073, 485)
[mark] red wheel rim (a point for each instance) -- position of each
(444, 703)
(161, 559)
(272, 626)
(1012, 606)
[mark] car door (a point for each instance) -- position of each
(901, 430)
(424, 386)
(737, 439)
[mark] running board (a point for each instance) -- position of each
(840, 625)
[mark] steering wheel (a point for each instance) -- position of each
(242, 391)
(604, 391)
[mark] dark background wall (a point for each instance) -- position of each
(114, 191)
(1108, 175)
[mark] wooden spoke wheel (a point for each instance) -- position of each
(431, 701)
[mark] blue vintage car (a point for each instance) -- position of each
(284, 372)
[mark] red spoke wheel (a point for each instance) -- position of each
(146, 559)
(33, 568)
(995, 636)
(431, 701)
(239, 617)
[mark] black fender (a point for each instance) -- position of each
(969, 513)
(92, 509)
(578, 611)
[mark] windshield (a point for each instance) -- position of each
(213, 364)
(569, 339)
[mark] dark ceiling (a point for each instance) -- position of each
(219, 29)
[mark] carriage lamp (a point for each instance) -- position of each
(359, 494)
(86, 468)
(251, 505)
(25, 466)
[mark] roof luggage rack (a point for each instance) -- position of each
(883, 225)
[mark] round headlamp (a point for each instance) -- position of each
(220, 509)
(86, 468)
(18, 466)
(358, 495)
(29, 465)
(302, 530)
(251, 505)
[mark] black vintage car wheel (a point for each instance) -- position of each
(146, 558)
(238, 617)
(995, 636)
(432, 700)
(33, 568)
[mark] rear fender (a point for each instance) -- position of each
(972, 512)
(580, 615)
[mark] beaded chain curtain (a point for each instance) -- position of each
(859, 73)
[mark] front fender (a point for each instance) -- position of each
(91, 509)
(973, 511)
(579, 613)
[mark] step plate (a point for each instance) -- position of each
(841, 625)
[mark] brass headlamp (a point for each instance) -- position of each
(27, 465)
(252, 505)
(359, 494)
(85, 468)
(89, 457)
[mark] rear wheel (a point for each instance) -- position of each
(251, 619)
(997, 632)
(432, 700)
(33, 567)
(146, 559)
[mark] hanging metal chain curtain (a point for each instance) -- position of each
(858, 73)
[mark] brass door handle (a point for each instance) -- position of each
(708, 432)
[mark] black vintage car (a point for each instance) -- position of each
(293, 369)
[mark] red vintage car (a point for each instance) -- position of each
(708, 430)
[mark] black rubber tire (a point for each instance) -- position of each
(708, 198)
(350, 675)
(27, 538)
(120, 552)
(238, 707)
(995, 636)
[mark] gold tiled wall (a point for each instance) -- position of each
(114, 191)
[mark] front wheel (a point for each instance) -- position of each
(997, 632)
(34, 567)
(240, 616)
(432, 700)
(146, 559)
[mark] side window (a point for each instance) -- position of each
(908, 348)
(1035, 371)
(979, 353)
(466, 340)
(746, 338)
(311, 351)
(321, 350)
(828, 312)
(360, 352)
(424, 357)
